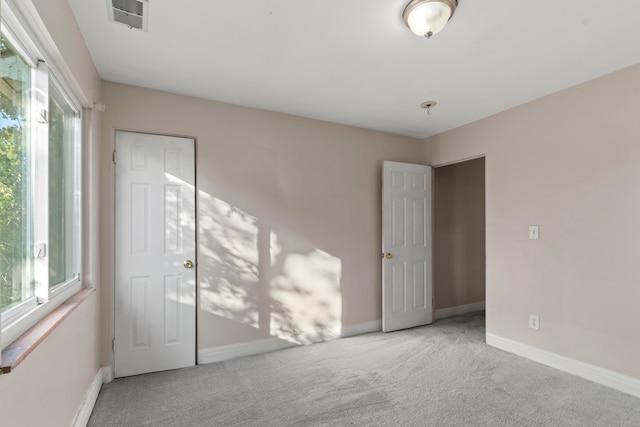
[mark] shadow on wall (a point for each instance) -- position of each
(266, 279)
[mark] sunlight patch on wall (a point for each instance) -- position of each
(229, 278)
(276, 282)
(306, 302)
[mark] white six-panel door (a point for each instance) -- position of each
(155, 287)
(407, 289)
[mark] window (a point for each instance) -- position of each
(40, 217)
(64, 192)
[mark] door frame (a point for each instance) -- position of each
(435, 166)
(109, 374)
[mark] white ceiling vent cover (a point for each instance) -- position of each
(132, 13)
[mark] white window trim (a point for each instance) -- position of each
(20, 310)
(39, 133)
(19, 37)
(18, 327)
(26, 16)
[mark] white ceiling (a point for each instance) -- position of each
(355, 62)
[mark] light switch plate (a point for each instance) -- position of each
(534, 232)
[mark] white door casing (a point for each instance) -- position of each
(155, 318)
(407, 278)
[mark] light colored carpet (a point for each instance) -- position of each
(438, 375)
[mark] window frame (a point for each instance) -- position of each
(46, 82)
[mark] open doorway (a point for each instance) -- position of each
(459, 261)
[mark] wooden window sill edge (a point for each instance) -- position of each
(18, 350)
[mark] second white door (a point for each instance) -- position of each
(407, 279)
(155, 283)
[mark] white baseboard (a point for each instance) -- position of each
(231, 351)
(86, 407)
(250, 348)
(459, 310)
(361, 328)
(593, 373)
(107, 374)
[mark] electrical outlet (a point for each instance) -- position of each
(534, 232)
(534, 321)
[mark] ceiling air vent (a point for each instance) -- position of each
(132, 13)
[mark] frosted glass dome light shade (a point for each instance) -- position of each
(428, 17)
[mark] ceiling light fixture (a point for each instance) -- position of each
(428, 17)
(428, 105)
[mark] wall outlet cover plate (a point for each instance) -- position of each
(534, 232)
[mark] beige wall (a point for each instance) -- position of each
(47, 388)
(569, 162)
(289, 215)
(459, 233)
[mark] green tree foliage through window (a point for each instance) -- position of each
(15, 219)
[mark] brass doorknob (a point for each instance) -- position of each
(188, 264)
(388, 255)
